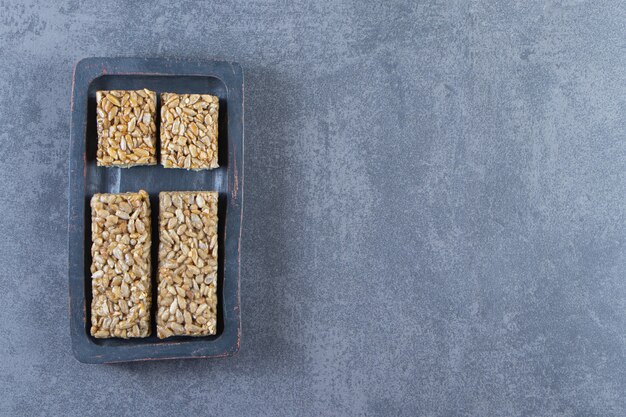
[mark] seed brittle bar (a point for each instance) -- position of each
(187, 277)
(120, 268)
(189, 129)
(126, 128)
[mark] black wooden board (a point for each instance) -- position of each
(223, 79)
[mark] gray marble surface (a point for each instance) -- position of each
(434, 208)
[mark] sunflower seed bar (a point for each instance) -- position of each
(189, 131)
(187, 278)
(126, 128)
(120, 268)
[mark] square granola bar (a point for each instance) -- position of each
(120, 268)
(187, 277)
(126, 128)
(189, 129)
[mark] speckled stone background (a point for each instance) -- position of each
(434, 208)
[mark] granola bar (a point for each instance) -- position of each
(120, 268)
(189, 129)
(126, 128)
(187, 277)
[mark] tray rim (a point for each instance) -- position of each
(229, 341)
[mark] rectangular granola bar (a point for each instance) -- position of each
(187, 277)
(189, 131)
(126, 128)
(120, 268)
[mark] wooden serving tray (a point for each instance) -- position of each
(222, 79)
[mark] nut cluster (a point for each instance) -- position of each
(126, 128)
(189, 130)
(187, 278)
(120, 269)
